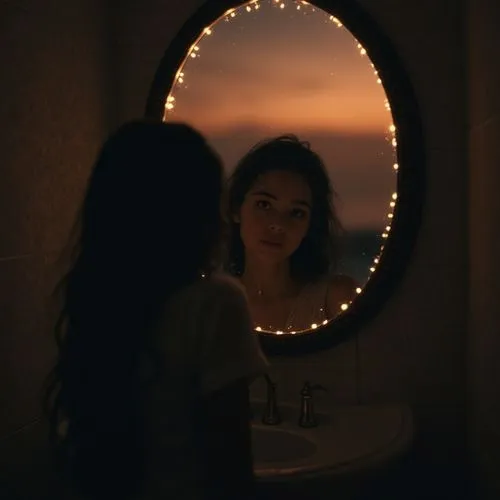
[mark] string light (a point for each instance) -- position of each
(193, 53)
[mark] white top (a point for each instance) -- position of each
(204, 343)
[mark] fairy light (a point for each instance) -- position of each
(193, 53)
(336, 21)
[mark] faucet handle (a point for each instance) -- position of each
(269, 380)
(308, 388)
(307, 417)
(271, 416)
(319, 387)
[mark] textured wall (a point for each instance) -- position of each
(484, 225)
(53, 114)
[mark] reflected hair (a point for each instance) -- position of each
(145, 230)
(318, 254)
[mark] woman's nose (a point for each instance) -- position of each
(276, 228)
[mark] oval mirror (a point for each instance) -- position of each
(317, 206)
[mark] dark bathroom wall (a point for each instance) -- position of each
(53, 114)
(484, 227)
(415, 350)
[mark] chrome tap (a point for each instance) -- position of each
(271, 416)
(307, 416)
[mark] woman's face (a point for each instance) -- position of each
(275, 215)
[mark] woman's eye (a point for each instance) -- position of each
(262, 204)
(298, 213)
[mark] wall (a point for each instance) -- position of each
(53, 115)
(413, 351)
(484, 222)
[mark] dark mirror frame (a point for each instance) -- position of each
(411, 178)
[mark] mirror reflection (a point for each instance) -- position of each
(294, 106)
(284, 236)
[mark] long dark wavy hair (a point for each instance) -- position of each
(149, 224)
(319, 252)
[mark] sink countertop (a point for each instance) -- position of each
(348, 438)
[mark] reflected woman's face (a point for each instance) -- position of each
(275, 215)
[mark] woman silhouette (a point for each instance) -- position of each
(149, 395)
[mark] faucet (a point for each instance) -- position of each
(307, 417)
(271, 416)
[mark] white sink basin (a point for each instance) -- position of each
(272, 444)
(346, 440)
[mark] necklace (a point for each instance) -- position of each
(290, 314)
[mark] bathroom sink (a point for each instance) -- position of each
(277, 445)
(347, 440)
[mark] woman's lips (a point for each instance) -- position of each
(272, 244)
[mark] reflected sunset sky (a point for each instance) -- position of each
(281, 70)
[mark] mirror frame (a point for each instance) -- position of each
(411, 174)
